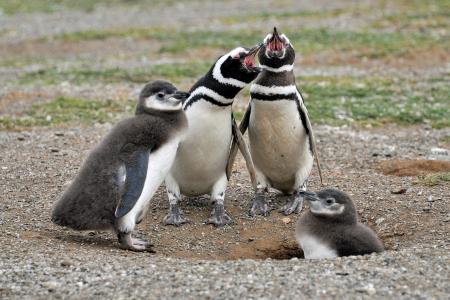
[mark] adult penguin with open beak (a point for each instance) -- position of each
(282, 143)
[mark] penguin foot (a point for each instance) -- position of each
(127, 242)
(293, 206)
(260, 207)
(175, 217)
(219, 217)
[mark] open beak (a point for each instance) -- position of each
(275, 45)
(249, 60)
(309, 196)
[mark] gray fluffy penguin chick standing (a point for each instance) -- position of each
(200, 164)
(281, 139)
(118, 179)
(331, 228)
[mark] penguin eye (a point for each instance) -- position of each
(160, 95)
(330, 201)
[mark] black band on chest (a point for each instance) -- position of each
(273, 97)
(206, 98)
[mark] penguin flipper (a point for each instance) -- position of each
(312, 139)
(234, 146)
(245, 152)
(136, 164)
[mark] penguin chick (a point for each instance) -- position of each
(331, 228)
(119, 177)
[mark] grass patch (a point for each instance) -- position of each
(63, 110)
(306, 41)
(49, 6)
(434, 179)
(173, 72)
(265, 16)
(375, 101)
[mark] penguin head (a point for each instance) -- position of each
(160, 95)
(238, 66)
(276, 51)
(331, 204)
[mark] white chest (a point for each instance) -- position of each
(203, 154)
(314, 248)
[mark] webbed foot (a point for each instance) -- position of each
(260, 206)
(175, 217)
(295, 205)
(127, 242)
(219, 217)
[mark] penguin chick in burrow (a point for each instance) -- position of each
(118, 179)
(200, 164)
(282, 144)
(330, 228)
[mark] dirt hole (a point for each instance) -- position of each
(412, 167)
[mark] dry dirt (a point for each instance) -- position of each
(37, 164)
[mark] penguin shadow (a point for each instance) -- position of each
(102, 240)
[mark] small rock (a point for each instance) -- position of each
(398, 191)
(430, 198)
(379, 221)
(59, 133)
(286, 220)
(20, 138)
(51, 285)
(54, 150)
(66, 263)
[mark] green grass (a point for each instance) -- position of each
(434, 179)
(63, 110)
(306, 41)
(173, 72)
(375, 101)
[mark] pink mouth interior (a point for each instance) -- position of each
(275, 45)
(249, 61)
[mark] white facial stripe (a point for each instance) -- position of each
(285, 68)
(153, 103)
(327, 212)
(208, 92)
(217, 74)
(273, 90)
(267, 38)
(286, 40)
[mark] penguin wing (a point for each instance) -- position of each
(234, 142)
(135, 159)
(359, 240)
(312, 140)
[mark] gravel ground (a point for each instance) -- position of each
(251, 258)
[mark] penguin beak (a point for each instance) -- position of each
(177, 98)
(181, 95)
(275, 45)
(249, 60)
(309, 196)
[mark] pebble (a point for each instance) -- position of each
(398, 191)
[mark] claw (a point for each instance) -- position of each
(175, 216)
(219, 217)
(260, 207)
(295, 205)
(127, 242)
